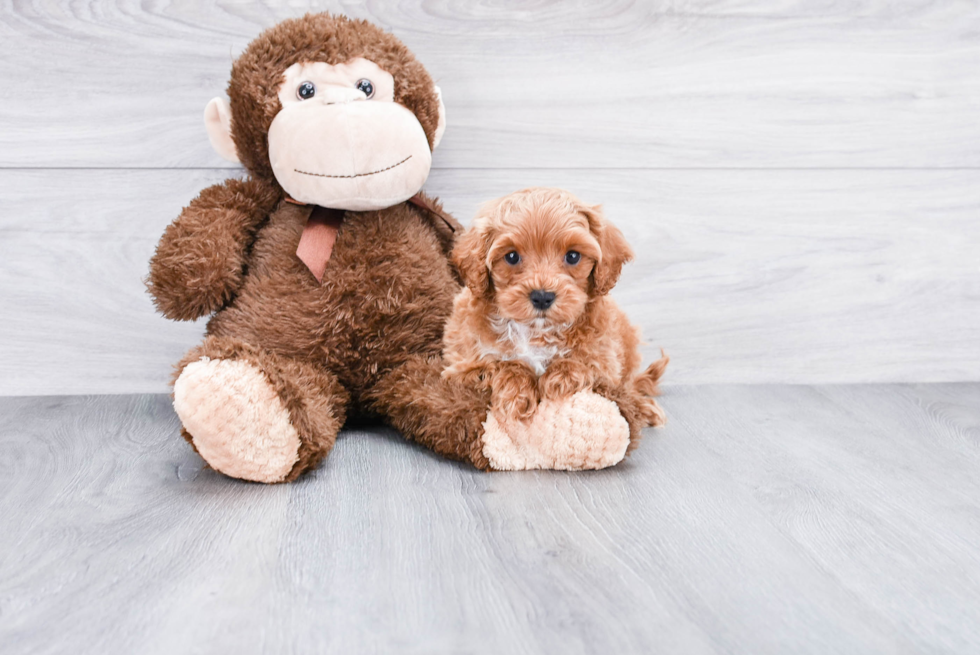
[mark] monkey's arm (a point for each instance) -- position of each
(445, 226)
(199, 262)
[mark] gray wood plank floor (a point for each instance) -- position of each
(763, 519)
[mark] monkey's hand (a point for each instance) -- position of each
(564, 378)
(514, 390)
(199, 263)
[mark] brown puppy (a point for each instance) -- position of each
(534, 320)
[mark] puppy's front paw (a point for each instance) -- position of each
(470, 374)
(564, 378)
(515, 392)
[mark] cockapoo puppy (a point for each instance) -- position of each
(534, 320)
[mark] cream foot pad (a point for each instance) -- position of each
(237, 421)
(585, 431)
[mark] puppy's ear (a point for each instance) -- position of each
(470, 259)
(614, 250)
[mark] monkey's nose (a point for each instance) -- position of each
(333, 94)
(542, 300)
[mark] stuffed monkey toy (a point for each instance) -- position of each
(326, 273)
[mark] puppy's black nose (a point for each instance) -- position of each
(542, 300)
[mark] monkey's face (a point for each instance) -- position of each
(341, 140)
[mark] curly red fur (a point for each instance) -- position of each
(497, 337)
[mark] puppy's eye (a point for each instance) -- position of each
(364, 86)
(306, 90)
(512, 258)
(573, 257)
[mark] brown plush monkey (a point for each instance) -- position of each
(327, 272)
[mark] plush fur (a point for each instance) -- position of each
(522, 445)
(244, 431)
(365, 341)
(583, 340)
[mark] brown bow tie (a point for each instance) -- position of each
(320, 234)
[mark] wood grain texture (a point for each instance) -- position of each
(614, 84)
(763, 519)
(743, 276)
(828, 232)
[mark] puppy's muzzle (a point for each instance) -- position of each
(542, 300)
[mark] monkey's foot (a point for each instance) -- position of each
(236, 419)
(584, 431)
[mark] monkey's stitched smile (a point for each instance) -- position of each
(380, 170)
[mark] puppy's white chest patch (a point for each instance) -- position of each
(535, 345)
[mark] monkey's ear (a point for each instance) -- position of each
(217, 120)
(470, 258)
(613, 246)
(441, 125)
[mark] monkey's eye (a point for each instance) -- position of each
(364, 85)
(512, 258)
(572, 257)
(306, 90)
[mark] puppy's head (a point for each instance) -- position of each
(540, 254)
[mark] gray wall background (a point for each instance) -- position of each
(800, 179)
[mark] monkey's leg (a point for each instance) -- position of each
(254, 415)
(439, 414)
(584, 431)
